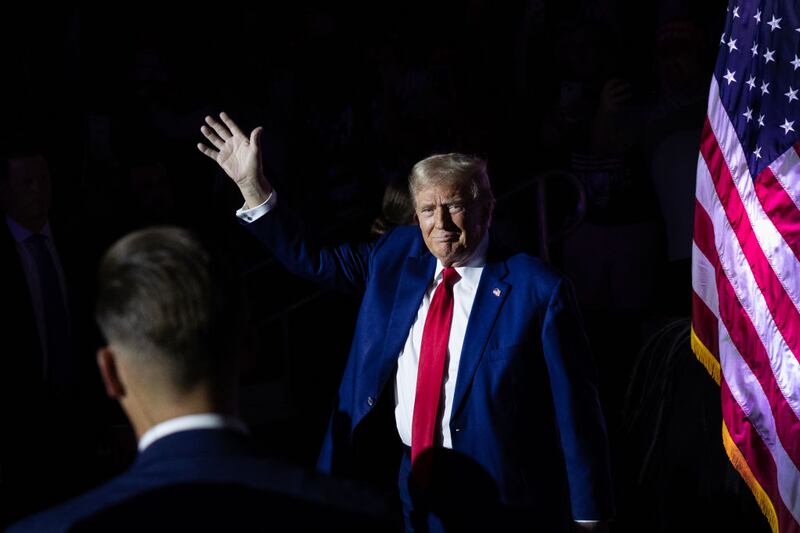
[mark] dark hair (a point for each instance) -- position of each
(166, 299)
(397, 208)
(23, 151)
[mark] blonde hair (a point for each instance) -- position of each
(452, 168)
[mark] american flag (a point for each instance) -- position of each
(746, 250)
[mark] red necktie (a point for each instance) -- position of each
(432, 357)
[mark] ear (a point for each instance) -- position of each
(107, 363)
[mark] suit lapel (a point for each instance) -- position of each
(489, 298)
(414, 279)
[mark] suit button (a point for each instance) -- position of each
(370, 401)
(458, 430)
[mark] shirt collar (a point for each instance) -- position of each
(470, 272)
(189, 422)
(21, 233)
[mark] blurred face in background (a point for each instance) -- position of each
(26, 193)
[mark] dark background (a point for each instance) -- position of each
(350, 96)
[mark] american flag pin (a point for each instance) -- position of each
(496, 292)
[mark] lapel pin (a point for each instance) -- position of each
(496, 292)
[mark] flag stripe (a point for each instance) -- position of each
(787, 172)
(740, 463)
(705, 325)
(756, 454)
(780, 207)
(776, 263)
(780, 305)
(745, 336)
(710, 219)
(772, 331)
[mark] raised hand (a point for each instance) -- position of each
(238, 155)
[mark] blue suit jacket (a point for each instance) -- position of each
(210, 478)
(525, 407)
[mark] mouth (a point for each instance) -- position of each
(447, 237)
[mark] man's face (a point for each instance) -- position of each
(452, 224)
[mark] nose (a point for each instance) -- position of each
(440, 217)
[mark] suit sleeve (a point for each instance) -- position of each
(573, 381)
(344, 268)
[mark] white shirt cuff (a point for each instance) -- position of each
(254, 213)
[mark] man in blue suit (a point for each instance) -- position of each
(476, 350)
(168, 312)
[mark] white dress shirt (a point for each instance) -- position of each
(20, 235)
(405, 384)
(189, 422)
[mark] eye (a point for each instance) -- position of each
(455, 208)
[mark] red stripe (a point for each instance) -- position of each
(745, 337)
(757, 455)
(705, 325)
(780, 208)
(703, 320)
(704, 233)
(783, 310)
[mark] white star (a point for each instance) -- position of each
(768, 55)
(736, 12)
(760, 120)
(792, 94)
(754, 49)
(757, 16)
(732, 45)
(748, 114)
(796, 62)
(722, 39)
(764, 88)
(787, 126)
(751, 82)
(729, 77)
(774, 23)
(757, 152)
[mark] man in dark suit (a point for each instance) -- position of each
(169, 315)
(473, 348)
(42, 312)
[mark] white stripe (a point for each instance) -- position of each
(779, 255)
(747, 392)
(787, 171)
(782, 361)
(704, 280)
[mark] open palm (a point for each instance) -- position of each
(236, 153)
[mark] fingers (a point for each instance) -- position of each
(231, 124)
(219, 128)
(207, 151)
(255, 137)
(212, 136)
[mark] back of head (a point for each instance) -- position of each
(397, 208)
(171, 306)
